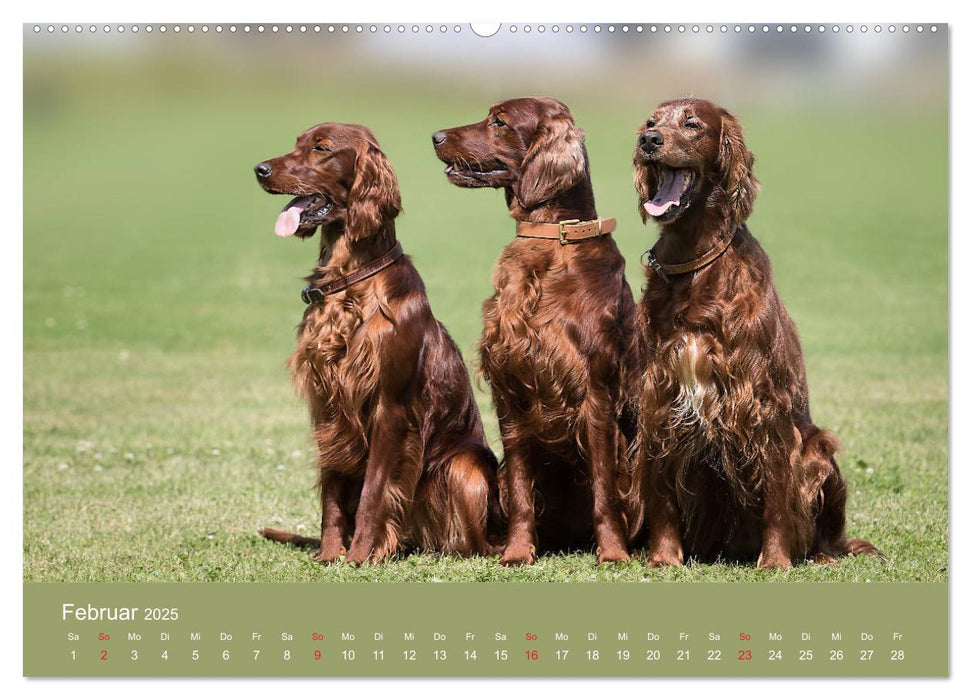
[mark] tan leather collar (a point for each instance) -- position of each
(570, 231)
(311, 295)
(665, 271)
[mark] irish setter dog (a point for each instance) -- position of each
(728, 461)
(558, 334)
(403, 460)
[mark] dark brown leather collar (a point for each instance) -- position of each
(570, 231)
(312, 295)
(666, 271)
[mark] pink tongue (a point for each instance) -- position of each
(287, 222)
(668, 193)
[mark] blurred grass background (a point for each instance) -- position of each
(160, 429)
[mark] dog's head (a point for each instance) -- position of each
(529, 144)
(339, 176)
(691, 152)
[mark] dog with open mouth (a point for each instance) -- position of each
(558, 337)
(728, 461)
(403, 460)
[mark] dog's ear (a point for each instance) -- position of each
(555, 162)
(735, 162)
(374, 197)
(645, 183)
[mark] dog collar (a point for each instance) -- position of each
(665, 271)
(311, 295)
(569, 231)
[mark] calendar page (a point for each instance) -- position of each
(510, 350)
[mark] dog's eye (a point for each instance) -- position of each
(496, 121)
(650, 123)
(692, 125)
(320, 148)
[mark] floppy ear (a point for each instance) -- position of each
(555, 161)
(735, 162)
(374, 197)
(645, 182)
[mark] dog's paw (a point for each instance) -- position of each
(824, 559)
(518, 555)
(612, 554)
(665, 553)
(328, 555)
(860, 547)
(361, 555)
(774, 560)
(358, 556)
(660, 560)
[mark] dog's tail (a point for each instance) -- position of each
(289, 538)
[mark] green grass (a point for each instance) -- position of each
(160, 429)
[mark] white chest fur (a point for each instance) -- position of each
(694, 374)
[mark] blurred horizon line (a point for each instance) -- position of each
(791, 68)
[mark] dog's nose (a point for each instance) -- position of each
(650, 141)
(438, 138)
(263, 170)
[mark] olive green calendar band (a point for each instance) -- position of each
(486, 629)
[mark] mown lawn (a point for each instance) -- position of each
(160, 429)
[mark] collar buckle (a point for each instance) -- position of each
(310, 294)
(562, 229)
(654, 264)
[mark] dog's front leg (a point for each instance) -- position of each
(663, 517)
(375, 527)
(520, 484)
(601, 447)
(778, 530)
(333, 524)
(776, 547)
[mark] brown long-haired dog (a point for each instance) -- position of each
(402, 458)
(729, 462)
(557, 333)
